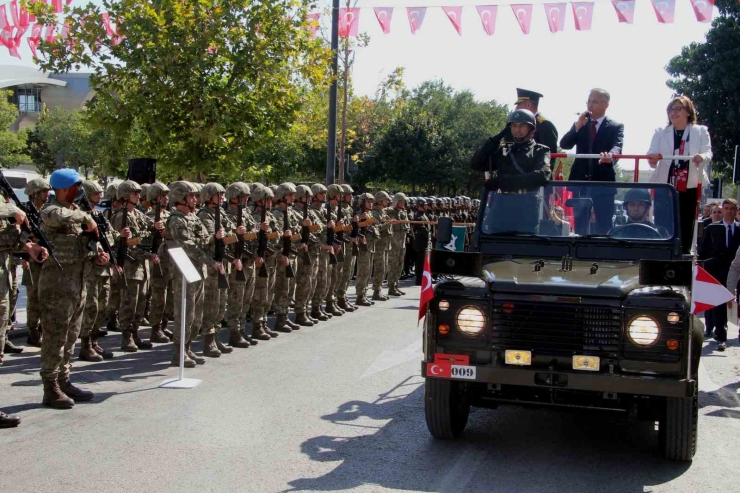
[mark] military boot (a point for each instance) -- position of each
(310, 316)
(332, 310)
(345, 305)
(54, 397)
(77, 394)
(87, 353)
(9, 420)
(189, 363)
(140, 343)
(157, 335)
(113, 323)
(378, 296)
(209, 347)
(403, 293)
(249, 338)
(128, 345)
(221, 346)
(363, 301)
(106, 354)
(302, 320)
(291, 324)
(259, 332)
(393, 291)
(269, 331)
(34, 337)
(11, 348)
(199, 360)
(326, 314)
(318, 314)
(236, 340)
(337, 307)
(281, 324)
(168, 333)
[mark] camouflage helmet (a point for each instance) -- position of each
(237, 189)
(335, 191)
(347, 189)
(303, 191)
(365, 196)
(209, 190)
(380, 196)
(126, 188)
(284, 189)
(90, 187)
(180, 190)
(144, 188)
(438, 202)
(399, 197)
(111, 191)
(37, 185)
(262, 193)
(155, 190)
(430, 200)
(318, 188)
(273, 188)
(420, 201)
(198, 187)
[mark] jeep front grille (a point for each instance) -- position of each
(556, 328)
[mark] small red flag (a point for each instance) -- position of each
(384, 14)
(707, 292)
(57, 4)
(664, 10)
(416, 17)
(348, 22)
(488, 17)
(523, 14)
(455, 16)
(34, 39)
(625, 10)
(583, 13)
(703, 9)
(312, 19)
(555, 13)
(427, 292)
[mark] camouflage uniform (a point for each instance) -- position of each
(398, 244)
(214, 298)
(348, 266)
(338, 213)
(160, 287)
(382, 246)
(307, 272)
(133, 296)
(264, 286)
(281, 303)
(365, 255)
(323, 275)
(9, 242)
(114, 294)
(31, 275)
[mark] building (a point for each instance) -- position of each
(32, 89)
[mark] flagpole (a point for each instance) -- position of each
(331, 144)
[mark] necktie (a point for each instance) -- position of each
(729, 234)
(593, 130)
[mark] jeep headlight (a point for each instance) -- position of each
(471, 320)
(643, 331)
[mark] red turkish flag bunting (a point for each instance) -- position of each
(34, 39)
(109, 29)
(488, 17)
(523, 14)
(312, 19)
(427, 291)
(4, 24)
(49, 33)
(583, 13)
(664, 10)
(384, 14)
(625, 10)
(455, 16)
(416, 17)
(555, 13)
(707, 292)
(57, 4)
(348, 22)
(703, 9)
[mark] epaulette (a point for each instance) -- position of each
(540, 118)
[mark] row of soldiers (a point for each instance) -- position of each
(255, 248)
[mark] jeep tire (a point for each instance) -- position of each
(679, 427)
(446, 408)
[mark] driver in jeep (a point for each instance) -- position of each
(637, 203)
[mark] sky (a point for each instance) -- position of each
(628, 60)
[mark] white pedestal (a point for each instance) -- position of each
(179, 383)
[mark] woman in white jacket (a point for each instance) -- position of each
(682, 136)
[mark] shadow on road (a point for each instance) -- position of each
(509, 449)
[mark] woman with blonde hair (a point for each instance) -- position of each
(682, 136)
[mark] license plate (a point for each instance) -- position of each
(463, 372)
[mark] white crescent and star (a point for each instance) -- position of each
(427, 281)
(522, 11)
(435, 370)
(581, 8)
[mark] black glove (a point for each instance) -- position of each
(493, 183)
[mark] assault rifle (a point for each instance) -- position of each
(157, 237)
(32, 229)
(339, 235)
(330, 234)
(241, 249)
(223, 282)
(305, 236)
(262, 242)
(286, 244)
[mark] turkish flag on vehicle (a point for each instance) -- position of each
(707, 292)
(427, 293)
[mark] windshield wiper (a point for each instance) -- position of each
(621, 241)
(519, 234)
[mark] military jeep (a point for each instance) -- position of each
(538, 314)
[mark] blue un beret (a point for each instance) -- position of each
(64, 178)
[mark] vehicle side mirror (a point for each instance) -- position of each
(444, 230)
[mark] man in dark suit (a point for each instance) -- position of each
(545, 132)
(595, 133)
(718, 249)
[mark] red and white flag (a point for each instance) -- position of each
(625, 10)
(707, 292)
(49, 35)
(488, 17)
(455, 16)
(349, 20)
(311, 19)
(416, 17)
(555, 13)
(4, 24)
(583, 13)
(57, 4)
(427, 292)
(34, 39)
(384, 14)
(664, 10)
(523, 14)
(703, 9)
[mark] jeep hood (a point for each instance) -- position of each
(612, 279)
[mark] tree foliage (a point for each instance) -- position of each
(12, 144)
(205, 81)
(708, 73)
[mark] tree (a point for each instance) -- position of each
(12, 144)
(206, 81)
(708, 73)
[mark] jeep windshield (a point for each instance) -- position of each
(581, 219)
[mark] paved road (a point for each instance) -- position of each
(334, 408)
